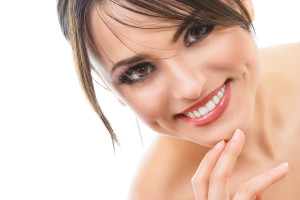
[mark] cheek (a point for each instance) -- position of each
(149, 105)
(227, 53)
(230, 47)
(237, 54)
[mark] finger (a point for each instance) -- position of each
(201, 178)
(257, 185)
(224, 166)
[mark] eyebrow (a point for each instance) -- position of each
(179, 31)
(140, 57)
(128, 61)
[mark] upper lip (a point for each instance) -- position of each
(203, 101)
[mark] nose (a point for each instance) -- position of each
(186, 80)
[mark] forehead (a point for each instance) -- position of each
(116, 41)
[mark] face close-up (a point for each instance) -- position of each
(165, 80)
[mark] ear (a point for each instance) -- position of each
(249, 6)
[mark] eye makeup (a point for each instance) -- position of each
(196, 33)
(136, 73)
(139, 72)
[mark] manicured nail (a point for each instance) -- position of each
(219, 145)
(236, 134)
(282, 166)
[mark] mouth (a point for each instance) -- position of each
(209, 109)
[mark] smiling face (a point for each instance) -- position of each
(165, 81)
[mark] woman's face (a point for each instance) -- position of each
(165, 80)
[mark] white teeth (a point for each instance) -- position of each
(220, 95)
(192, 115)
(223, 90)
(197, 113)
(216, 99)
(210, 105)
(203, 111)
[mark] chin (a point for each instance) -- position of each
(238, 115)
(224, 131)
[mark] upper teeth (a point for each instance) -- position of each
(209, 106)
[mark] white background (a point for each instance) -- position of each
(52, 145)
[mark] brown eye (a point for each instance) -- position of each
(141, 71)
(197, 32)
(136, 73)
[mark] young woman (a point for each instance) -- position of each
(191, 70)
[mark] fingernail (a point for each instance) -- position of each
(236, 134)
(283, 166)
(219, 145)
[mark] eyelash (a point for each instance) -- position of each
(206, 29)
(124, 77)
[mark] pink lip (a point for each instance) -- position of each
(212, 115)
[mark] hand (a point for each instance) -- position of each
(211, 181)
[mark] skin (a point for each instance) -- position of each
(184, 75)
(277, 141)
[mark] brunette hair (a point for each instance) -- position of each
(74, 22)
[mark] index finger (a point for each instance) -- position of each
(224, 166)
(200, 180)
(260, 183)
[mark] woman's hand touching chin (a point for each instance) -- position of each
(211, 181)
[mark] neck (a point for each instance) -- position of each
(259, 141)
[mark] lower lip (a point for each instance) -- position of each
(213, 114)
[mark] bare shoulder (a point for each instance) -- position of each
(281, 65)
(167, 169)
(281, 82)
(282, 57)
